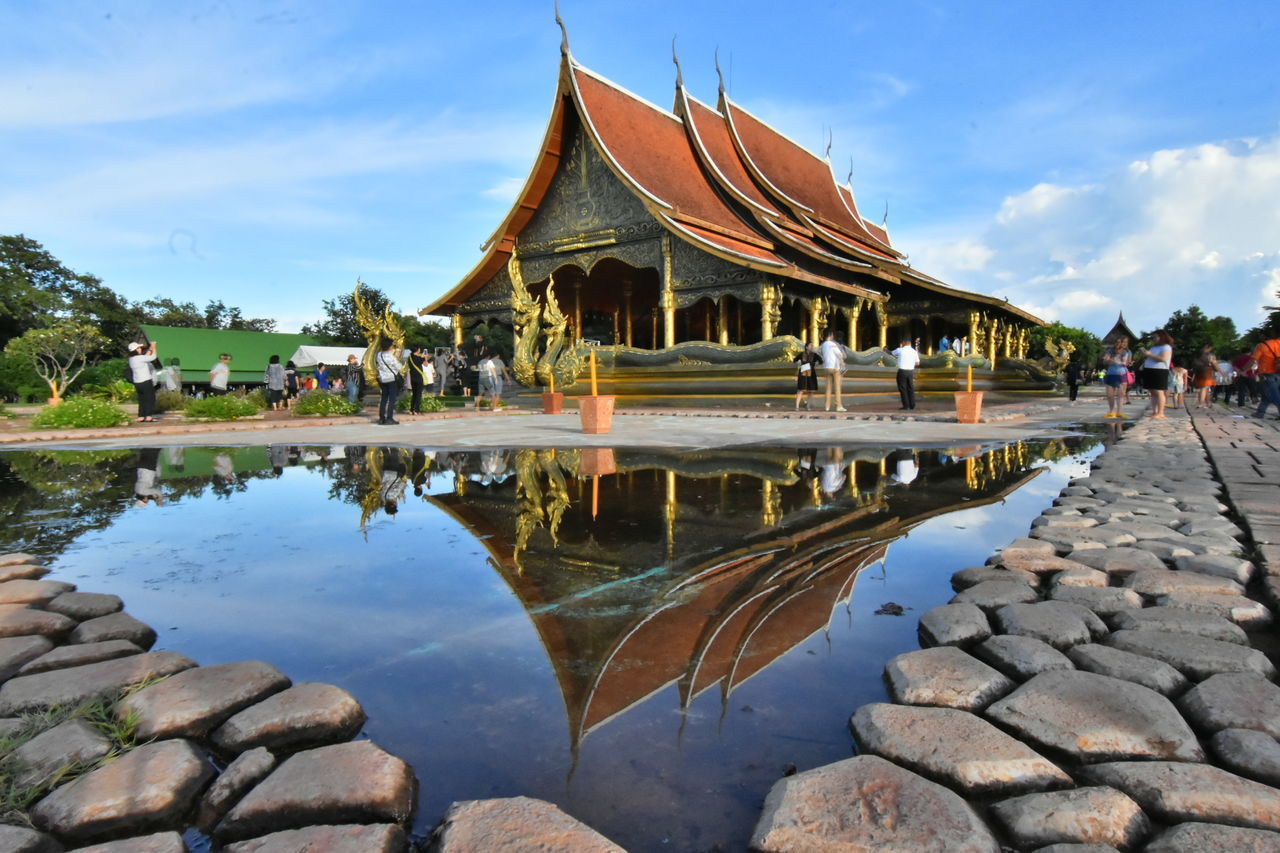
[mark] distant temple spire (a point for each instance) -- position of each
(1120, 329)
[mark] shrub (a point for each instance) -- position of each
(79, 413)
(258, 396)
(225, 408)
(323, 403)
(113, 390)
(429, 404)
(170, 401)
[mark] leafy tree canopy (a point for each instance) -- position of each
(1264, 331)
(58, 352)
(341, 328)
(1192, 329)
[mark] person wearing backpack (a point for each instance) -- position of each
(1266, 359)
(389, 370)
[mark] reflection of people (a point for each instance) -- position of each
(905, 469)
(141, 369)
(833, 477)
(391, 490)
(278, 457)
(833, 368)
(389, 369)
(224, 468)
(146, 484)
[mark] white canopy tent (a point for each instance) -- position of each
(307, 357)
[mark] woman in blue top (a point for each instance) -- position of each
(1155, 371)
(322, 377)
(1116, 361)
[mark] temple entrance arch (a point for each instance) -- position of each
(613, 303)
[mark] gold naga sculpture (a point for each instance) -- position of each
(378, 330)
(540, 327)
(1058, 355)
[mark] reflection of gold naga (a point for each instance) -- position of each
(532, 509)
(378, 330)
(525, 311)
(371, 501)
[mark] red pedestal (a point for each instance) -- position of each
(552, 403)
(596, 413)
(968, 406)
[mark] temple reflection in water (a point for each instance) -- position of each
(641, 569)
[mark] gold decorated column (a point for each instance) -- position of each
(883, 319)
(973, 333)
(854, 313)
(724, 320)
(667, 298)
(626, 298)
(456, 319)
(769, 312)
(577, 310)
(993, 327)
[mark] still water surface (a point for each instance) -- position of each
(647, 639)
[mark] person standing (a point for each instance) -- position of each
(944, 344)
(1155, 371)
(1266, 362)
(418, 367)
(322, 377)
(501, 378)
(441, 364)
(274, 378)
(479, 350)
(908, 360)
(219, 375)
(1072, 375)
(1246, 387)
(142, 372)
(807, 375)
(353, 374)
(833, 369)
(389, 370)
(1116, 361)
(1206, 367)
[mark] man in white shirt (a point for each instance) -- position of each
(219, 374)
(833, 368)
(908, 360)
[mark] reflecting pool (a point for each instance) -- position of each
(649, 639)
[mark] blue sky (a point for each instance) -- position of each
(1079, 158)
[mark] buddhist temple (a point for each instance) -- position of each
(1119, 330)
(699, 242)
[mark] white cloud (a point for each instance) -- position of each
(1194, 225)
(505, 189)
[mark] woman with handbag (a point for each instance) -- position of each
(807, 375)
(1116, 361)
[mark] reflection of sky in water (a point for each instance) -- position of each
(410, 615)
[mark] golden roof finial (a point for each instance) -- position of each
(676, 60)
(719, 73)
(564, 33)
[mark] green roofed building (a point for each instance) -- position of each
(197, 350)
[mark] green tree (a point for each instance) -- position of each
(428, 334)
(58, 353)
(1088, 346)
(1191, 330)
(34, 285)
(1268, 329)
(340, 327)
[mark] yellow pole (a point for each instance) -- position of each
(594, 392)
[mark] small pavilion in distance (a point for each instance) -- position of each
(698, 242)
(1120, 329)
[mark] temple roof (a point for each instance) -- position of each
(1119, 329)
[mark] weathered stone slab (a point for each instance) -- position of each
(1080, 577)
(22, 621)
(22, 571)
(1064, 521)
(1096, 718)
(1250, 753)
(1081, 816)
(1104, 534)
(1021, 657)
(1058, 623)
(954, 625)
(85, 605)
(1176, 791)
(1245, 612)
(1166, 551)
(377, 838)
(346, 783)
(1127, 666)
(150, 787)
(514, 823)
(1219, 565)
(1039, 564)
(1233, 701)
(994, 594)
(1204, 837)
(31, 591)
(953, 747)
(68, 743)
(944, 676)
(79, 684)
(161, 842)
(1024, 547)
(1118, 561)
(248, 769)
(193, 703)
(1140, 530)
(1195, 657)
(19, 839)
(867, 803)
(79, 655)
(16, 652)
(1105, 601)
(13, 558)
(303, 715)
(966, 578)
(114, 626)
(1174, 620)
(1165, 581)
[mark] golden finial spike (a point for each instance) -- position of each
(719, 73)
(676, 60)
(564, 33)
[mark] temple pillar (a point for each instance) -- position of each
(853, 314)
(992, 330)
(706, 325)
(626, 300)
(973, 333)
(456, 320)
(653, 338)
(884, 330)
(769, 312)
(667, 298)
(577, 310)
(617, 325)
(724, 320)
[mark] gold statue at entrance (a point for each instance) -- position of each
(378, 330)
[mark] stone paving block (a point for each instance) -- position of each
(1082, 816)
(85, 605)
(1104, 601)
(69, 743)
(993, 594)
(1178, 791)
(1248, 614)
(514, 823)
(1127, 666)
(1219, 565)
(150, 787)
(75, 685)
(1166, 552)
(160, 842)
(954, 625)
(194, 702)
(1164, 582)
(966, 578)
(13, 558)
(1178, 621)
(248, 769)
(376, 838)
(867, 803)
(304, 715)
(22, 571)
(1080, 577)
(1118, 561)
(32, 591)
(1233, 701)
(345, 783)
(15, 652)
(1204, 837)
(78, 655)
(1058, 623)
(953, 747)
(23, 621)
(114, 626)
(20, 839)
(1252, 754)
(1077, 848)
(1020, 657)
(1094, 717)
(1037, 564)
(1195, 657)
(944, 676)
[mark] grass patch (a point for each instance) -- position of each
(225, 408)
(79, 413)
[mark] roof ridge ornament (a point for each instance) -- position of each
(676, 60)
(564, 33)
(830, 139)
(849, 177)
(719, 73)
